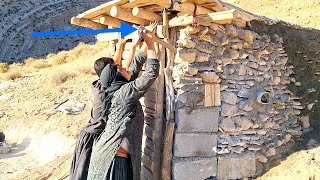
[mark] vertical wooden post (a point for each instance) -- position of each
(170, 124)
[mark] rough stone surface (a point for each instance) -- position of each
(236, 166)
(210, 77)
(194, 144)
(200, 120)
(186, 55)
(227, 125)
(195, 169)
(229, 97)
(229, 110)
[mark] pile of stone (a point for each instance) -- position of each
(242, 76)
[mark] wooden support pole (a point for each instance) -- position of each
(126, 15)
(170, 124)
(189, 8)
(87, 23)
(102, 9)
(110, 21)
(224, 17)
(140, 12)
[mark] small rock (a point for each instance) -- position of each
(244, 92)
(247, 35)
(262, 132)
(242, 71)
(254, 148)
(287, 137)
(227, 125)
(270, 152)
(261, 158)
(276, 81)
(309, 106)
(229, 97)
(224, 151)
(71, 107)
(279, 143)
(225, 61)
(250, 83)
(305, 121)
(187, 55)
(231, 30)
(312, 90)
(228, 110)
(4, 148)
(210, 77)
(297, 83)
(237, 150)
(202, 57)
(192, 71)
(244, 122)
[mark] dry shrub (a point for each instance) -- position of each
(40, 64)
(57, 60)
(4, 67)
(86, 70)
(12, 75)
(61, 77)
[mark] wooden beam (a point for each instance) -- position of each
(110, 21)
(141, 13)
(217, 94)
(189, 8)
(224, 17)
(102, 9)
(141, 3)
(153, 8)
(125, 15)
(87, 23)
(210, 4)
(167, 151)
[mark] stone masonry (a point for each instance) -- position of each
(234, 108)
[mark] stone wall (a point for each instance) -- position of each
(18, 19)
(235, 111)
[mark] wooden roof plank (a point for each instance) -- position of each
(102, 9)
(141, 3)
(87, 23)
(209, 4)
(224, 17)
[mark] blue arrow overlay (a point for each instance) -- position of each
(124, 29)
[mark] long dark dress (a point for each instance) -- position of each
(123, 114)
(96, 125)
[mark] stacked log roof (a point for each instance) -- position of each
(142, 12)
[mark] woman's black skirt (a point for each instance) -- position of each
(120, 169)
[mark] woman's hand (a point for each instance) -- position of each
(148, 34)
(121, 42)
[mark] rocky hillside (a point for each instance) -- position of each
(18, 19)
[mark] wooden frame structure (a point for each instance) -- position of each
(159, 126)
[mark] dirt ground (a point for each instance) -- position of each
(43, 139)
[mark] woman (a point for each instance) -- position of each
(121, 106)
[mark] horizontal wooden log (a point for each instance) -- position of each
(110, 21)
(141, 3)
(142, 13)
(224, 17)
(126, 15)
(189, 8)
(102, 9)
(153, 8)
(210, 4)
(87, 23)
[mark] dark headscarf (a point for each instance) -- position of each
(112, 81)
